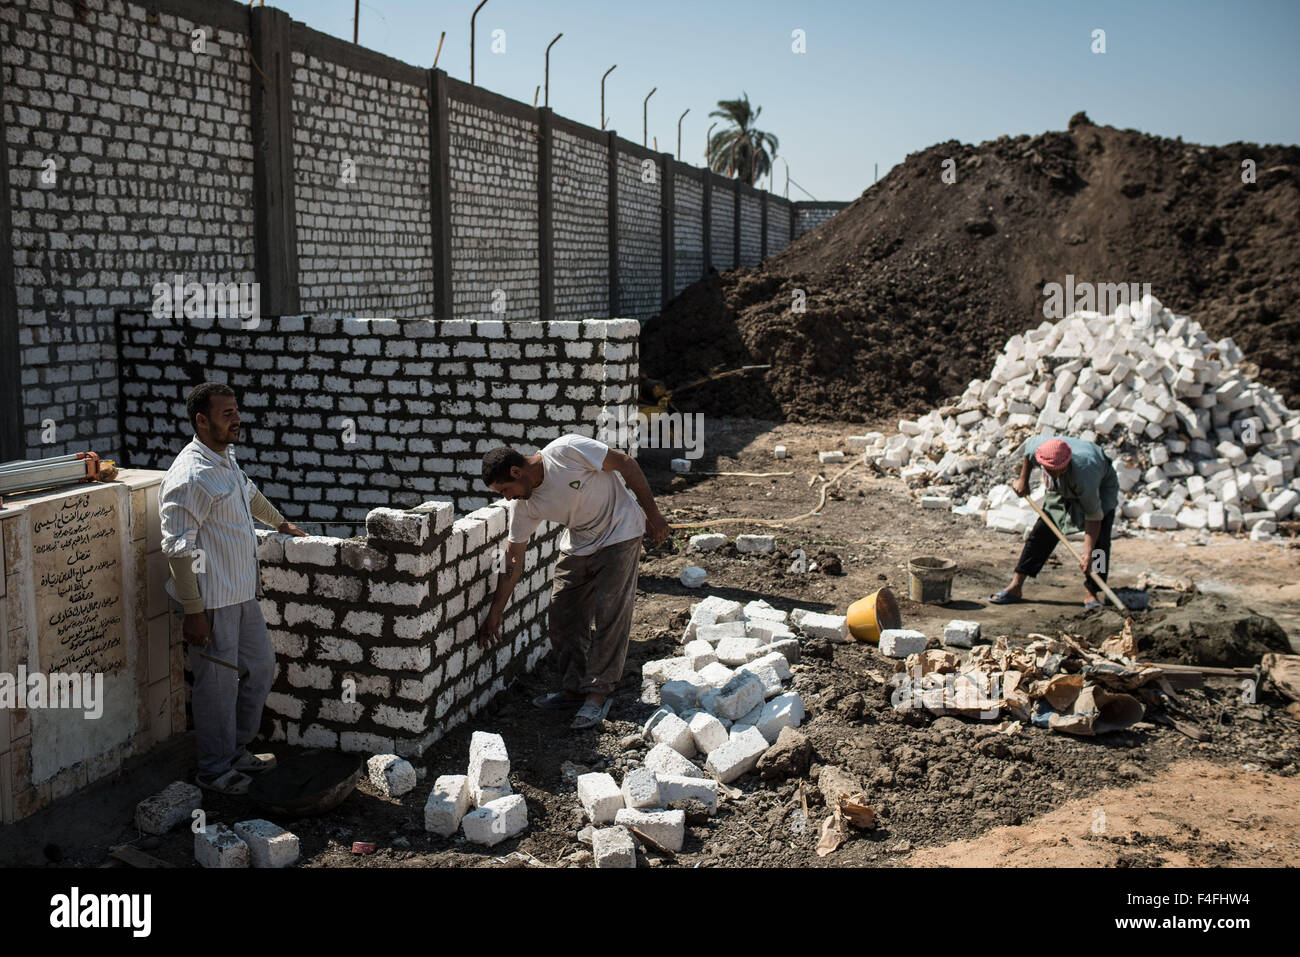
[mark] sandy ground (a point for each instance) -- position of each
(1191, 814)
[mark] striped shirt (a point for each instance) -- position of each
(204, 505)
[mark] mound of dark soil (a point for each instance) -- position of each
(913, 289)
(1209, 630)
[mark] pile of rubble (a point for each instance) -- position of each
(723, 708)
(1057, 683)
(1195, 441)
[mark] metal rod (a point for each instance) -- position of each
(439, 53)
(356, 17)
(548, 69)
(471, 41)
(645, 113)
(602, 95)
(708, 142)
(679, 132)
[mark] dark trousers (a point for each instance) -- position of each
(1042, 540)
(591, 616)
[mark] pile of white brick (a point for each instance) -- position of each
(479, 802)
(724, 698)
(722, 704)
(1195, 441)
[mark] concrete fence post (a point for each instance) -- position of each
(12, 444)
(440, 194)
(667, 228)
(611, 139)
(275, 225)
(706, 177)
(735, 225)
(545, 215)
(762, 198)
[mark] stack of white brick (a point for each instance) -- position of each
(1196, 442)
(497, 812)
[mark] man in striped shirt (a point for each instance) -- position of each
(207, 506)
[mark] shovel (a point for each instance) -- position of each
(1091, 574)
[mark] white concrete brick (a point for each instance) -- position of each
(707, 731)
(664, 760)
(217, 846)
(161, 812)
(675, 733)
(699, 653)
(269, 845)
(613, 847)
(786, 647)
(673, 788)
(737, 651)
(901, 642)
(448, 802)
(640, 789)
(706, 542)
(600, 796)
(716, 633)
(961, 634)
(783, 711)
(392, 776)
(489, 764)
(664, 827)
(738, 756)
(716, 675)
(767, 673)
(831, 627)
(496, 821)
(738, 695)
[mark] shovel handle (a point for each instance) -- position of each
(1091, 574)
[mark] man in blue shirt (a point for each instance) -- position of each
(1082, 493)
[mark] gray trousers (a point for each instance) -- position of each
(227, 703)
(591, 615)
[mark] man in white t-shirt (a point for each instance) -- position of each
(579, 483)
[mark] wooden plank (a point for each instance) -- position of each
(135, 857)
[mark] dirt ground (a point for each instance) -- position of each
(946, 790)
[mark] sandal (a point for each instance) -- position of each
(556, 701)
(233, 783)
(590, 715)
(1003, 598)
(1089, 606)
(250, 763)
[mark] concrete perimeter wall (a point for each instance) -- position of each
(222, 144)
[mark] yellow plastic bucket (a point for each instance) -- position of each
(868, 617)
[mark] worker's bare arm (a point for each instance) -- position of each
(655, 524)
(1021, 486)
(508, 577)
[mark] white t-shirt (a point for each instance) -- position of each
(594, 506)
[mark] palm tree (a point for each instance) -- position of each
(742, 150)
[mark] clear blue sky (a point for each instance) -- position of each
(878, 80)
